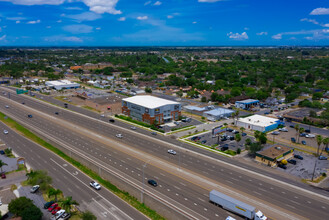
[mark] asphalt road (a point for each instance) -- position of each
(198, 164)
(71, 181)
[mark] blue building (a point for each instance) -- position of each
(217, 114)
(247, 104)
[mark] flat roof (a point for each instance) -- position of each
(275, 151)
(61, 83)
(259, 120)
(248, 101)
(148, 101)
(219, 111)
(194, 108)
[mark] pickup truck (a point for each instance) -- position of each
(95, 185)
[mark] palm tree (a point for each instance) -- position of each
(31, 175)
(237, 139)
(2, 164)
(257, 134)
(67, 203)
(319, 140)
(301, 130)
(54, 192)
(325, 142)
(242, 129)
(297, 131)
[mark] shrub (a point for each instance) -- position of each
(238, 151)
(324, 174)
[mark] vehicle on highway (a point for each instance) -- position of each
(282, 166)
(298, 157)
(65, 216)
(275, 133)
(323, 157)
(29, 116)
(52, 207)
(292, 161)
(133, 128)
(171, 151)
(293, 140)
(236, 206)
(35, 188)
(5, 131)
(3, 175)
(111, 120)
(152, 182)
(23, 103)
(119, 135)
(310, 136)
(95, 185)
(304, 142)
(154, 133)
(283, 129)
(58, 214)
(7, 106)
(56, 113)
(55, 210)
(48, 204)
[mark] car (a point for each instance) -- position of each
(35, 188)
(111, 120)
(3, 175)
(235, 132)
(154, 133)
(275, 133)
(304, 142)
(322, 158)
(266, 113)
(29, 116)
(56, 113)
(7, 106)
(307, 130)
(310, 136)
(292, 161)
(171, 151)
(223, 139)
(48, 204)
(302, 134)
(193, 138)
(2, 152)
(5, 131)
(65, 216)
(224, 148)
(176, 122)
(293, 140)
(229, 129)
(119, 135)
(23, 103)
(95, 185)
(58, 214)
(55, 210)
(103, 116)
(298, 157)
(292, 126)
(231, 138)
(204, 141)
(52, 207)
(152, 182)
(283, 129)
(133, 128)
(244, 134)
(282, 166)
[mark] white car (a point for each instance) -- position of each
(119, 135)
(283, 129)
(5, 131)
(58, 214)
(310, 136)
(7, 106)
(103, 116)
(133, 128)
(95, 185)
(171, 151)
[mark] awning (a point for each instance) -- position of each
(168, 117)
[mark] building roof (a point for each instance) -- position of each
(248, 101)
(61, 83)
(194, 108)
(148, 101)
(259, 120)
(219, 111)
(275, 151)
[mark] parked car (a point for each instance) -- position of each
(282, 166)
(111, 120)
(266, 113)
(119, 135)
(65, 216)
(3, 175)
(58, 214)
(7, 106)
(323, 157)
(292, 161)
(176, 122)
(292, 126)
(304, 142)
(133, 128)
(310, 136)
(275, 133)
(35, 188)
(48, 204)
(293, 140)
(5, 131)
(244, 134)
(302, 134)
(55, 210)
(152, 182)
(229, 129)
(298, 157)
(223, 139)
(231, 138)
(204, 141)
(2, 152)
(235, 132)
(283, 129)
(193, 138)
(171, 151)
(29, 116)
(56, 113)
(307, 130)
(23, 103)
(52, 207)
(95, 185)
(224, 148)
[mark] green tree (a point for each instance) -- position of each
(317, 96)
(39, 177)
(319, 140)
(203, 99)
(262, 138)
(87, 215)
(325, 142)
(254, 147)
(297, 131)
(17, 206)
(54, 192)
(2, 164)
(31, 213)
(237, 139)
(257, 135)
(242, 129)
(148, 90)
(67, 203)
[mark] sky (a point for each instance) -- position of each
(164, 22)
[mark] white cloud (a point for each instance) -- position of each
(59, 21)
(209, 1)
(310, 20)
(98, 28)
(73, 8)
(320, 11)
(17, 22)
(325, 25)
(16, 18)
(237, 36)
(33, 22)
(262, 33)
(142, 17)
(277, 36)
(170, 16)
(86, 16)
(63, 38)
(147, 3)
(246, 29)
(194, 22)
(157, 3)
(102, 6)
(78, 29)
(48, 27)
(0, 29)
(3, 37)
(35, 2)
(122, 19)
(73, 39)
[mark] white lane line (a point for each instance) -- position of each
(201, 199)
(295, 202)
(182, 183)
(256, 193)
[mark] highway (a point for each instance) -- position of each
(71, 181)
(203, 166)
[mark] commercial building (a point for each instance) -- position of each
(217, 114)
(247, 104)
(151, 109)
(259, 123)
(274, 154)
(62, 84)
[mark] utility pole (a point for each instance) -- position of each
(142, 193)
(314, 169)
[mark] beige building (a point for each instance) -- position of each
(274, 154)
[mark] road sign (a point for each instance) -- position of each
(218, 130)
(21, 91)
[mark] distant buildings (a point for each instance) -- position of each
(258, 123)
(247, 104)
(151, 109)
(62, 84)
(217, 114)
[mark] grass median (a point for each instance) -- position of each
(122, 194)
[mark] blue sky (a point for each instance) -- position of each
(163, 22)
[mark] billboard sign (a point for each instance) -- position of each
(218, 130)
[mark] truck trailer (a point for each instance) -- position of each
(235, 206)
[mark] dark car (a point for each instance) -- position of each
(56, 113)
(293, 140)
(30, 116)
(304, 142)
(292, 161)
(224, 148)
(231, 138)
(2, 152)
(111, 120)
(244, 134)
(204, 141)
(3, 175)
(48, 204)
(292, 126)
(154, 133)
(307, 131)
(229, 129)
(282, 166)
(298, 157)
(193, 138)
(152, 182)
(302, 134)
(323, 157)
(223, 139)
(23, 103)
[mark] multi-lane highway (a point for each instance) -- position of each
(256, 187)
(71, 181)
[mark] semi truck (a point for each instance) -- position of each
(235, 206)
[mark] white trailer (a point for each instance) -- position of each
(235, 206)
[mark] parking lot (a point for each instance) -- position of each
(168, 126)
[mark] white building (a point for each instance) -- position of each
(62, 84)
(259, 123)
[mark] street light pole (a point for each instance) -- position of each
(142, 193)
(314, 170)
